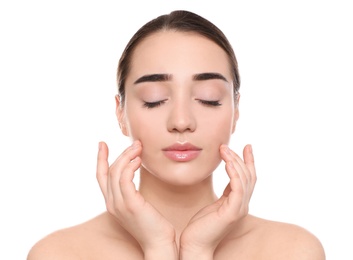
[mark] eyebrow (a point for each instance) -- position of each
(168, 77)
(208, 76)
(153, 78)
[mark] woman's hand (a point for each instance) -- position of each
(153, 232)
(211, 224)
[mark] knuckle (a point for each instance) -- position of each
(130, 209)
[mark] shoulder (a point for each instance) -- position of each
(258, 238)
(289, 241)
(99, 238)
(57, 245)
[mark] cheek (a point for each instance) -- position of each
(150, 130)
(144, 127)
(219, 127)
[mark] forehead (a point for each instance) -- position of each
(178, 52)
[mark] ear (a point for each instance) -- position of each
(120, 114)
(236, 113)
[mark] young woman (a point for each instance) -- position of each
(178, 100)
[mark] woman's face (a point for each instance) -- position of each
(179, 103)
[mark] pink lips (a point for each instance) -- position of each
(182, 152)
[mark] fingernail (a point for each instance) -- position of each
(99, 146)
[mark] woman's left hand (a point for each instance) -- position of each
(211, 224)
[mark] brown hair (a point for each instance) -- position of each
(182, 21)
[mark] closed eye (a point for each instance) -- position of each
(154, 104)
(214, 103)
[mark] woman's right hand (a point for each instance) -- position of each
(127, 205)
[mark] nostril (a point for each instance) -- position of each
(181, 118)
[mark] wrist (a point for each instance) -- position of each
(192, 253)
(168, 251)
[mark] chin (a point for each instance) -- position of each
(180, 174)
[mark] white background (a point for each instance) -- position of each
(57, 85)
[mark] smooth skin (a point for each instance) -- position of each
(174, 213)
(151, 230)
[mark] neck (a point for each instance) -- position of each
(178, 204)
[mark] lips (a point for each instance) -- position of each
(182, 152)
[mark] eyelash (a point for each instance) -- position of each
(154, 104)
(213, 103)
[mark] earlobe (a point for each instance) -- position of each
(120, 114)
(236, 113)
(235, 119)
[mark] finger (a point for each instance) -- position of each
(239, 182)
(233, 166)
(249, 161)
(123, 154)
(102, 167)
(234, 193)
(248, 168)
(236, 183)
(120, 165)
(127, 186)
(242, 165)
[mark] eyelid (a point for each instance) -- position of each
(215, 103)
(154, 103)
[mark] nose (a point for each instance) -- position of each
(181, 118)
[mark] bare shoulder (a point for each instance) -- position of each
(288, 241)
(56, 245)
(98, 238)
(263, 239)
